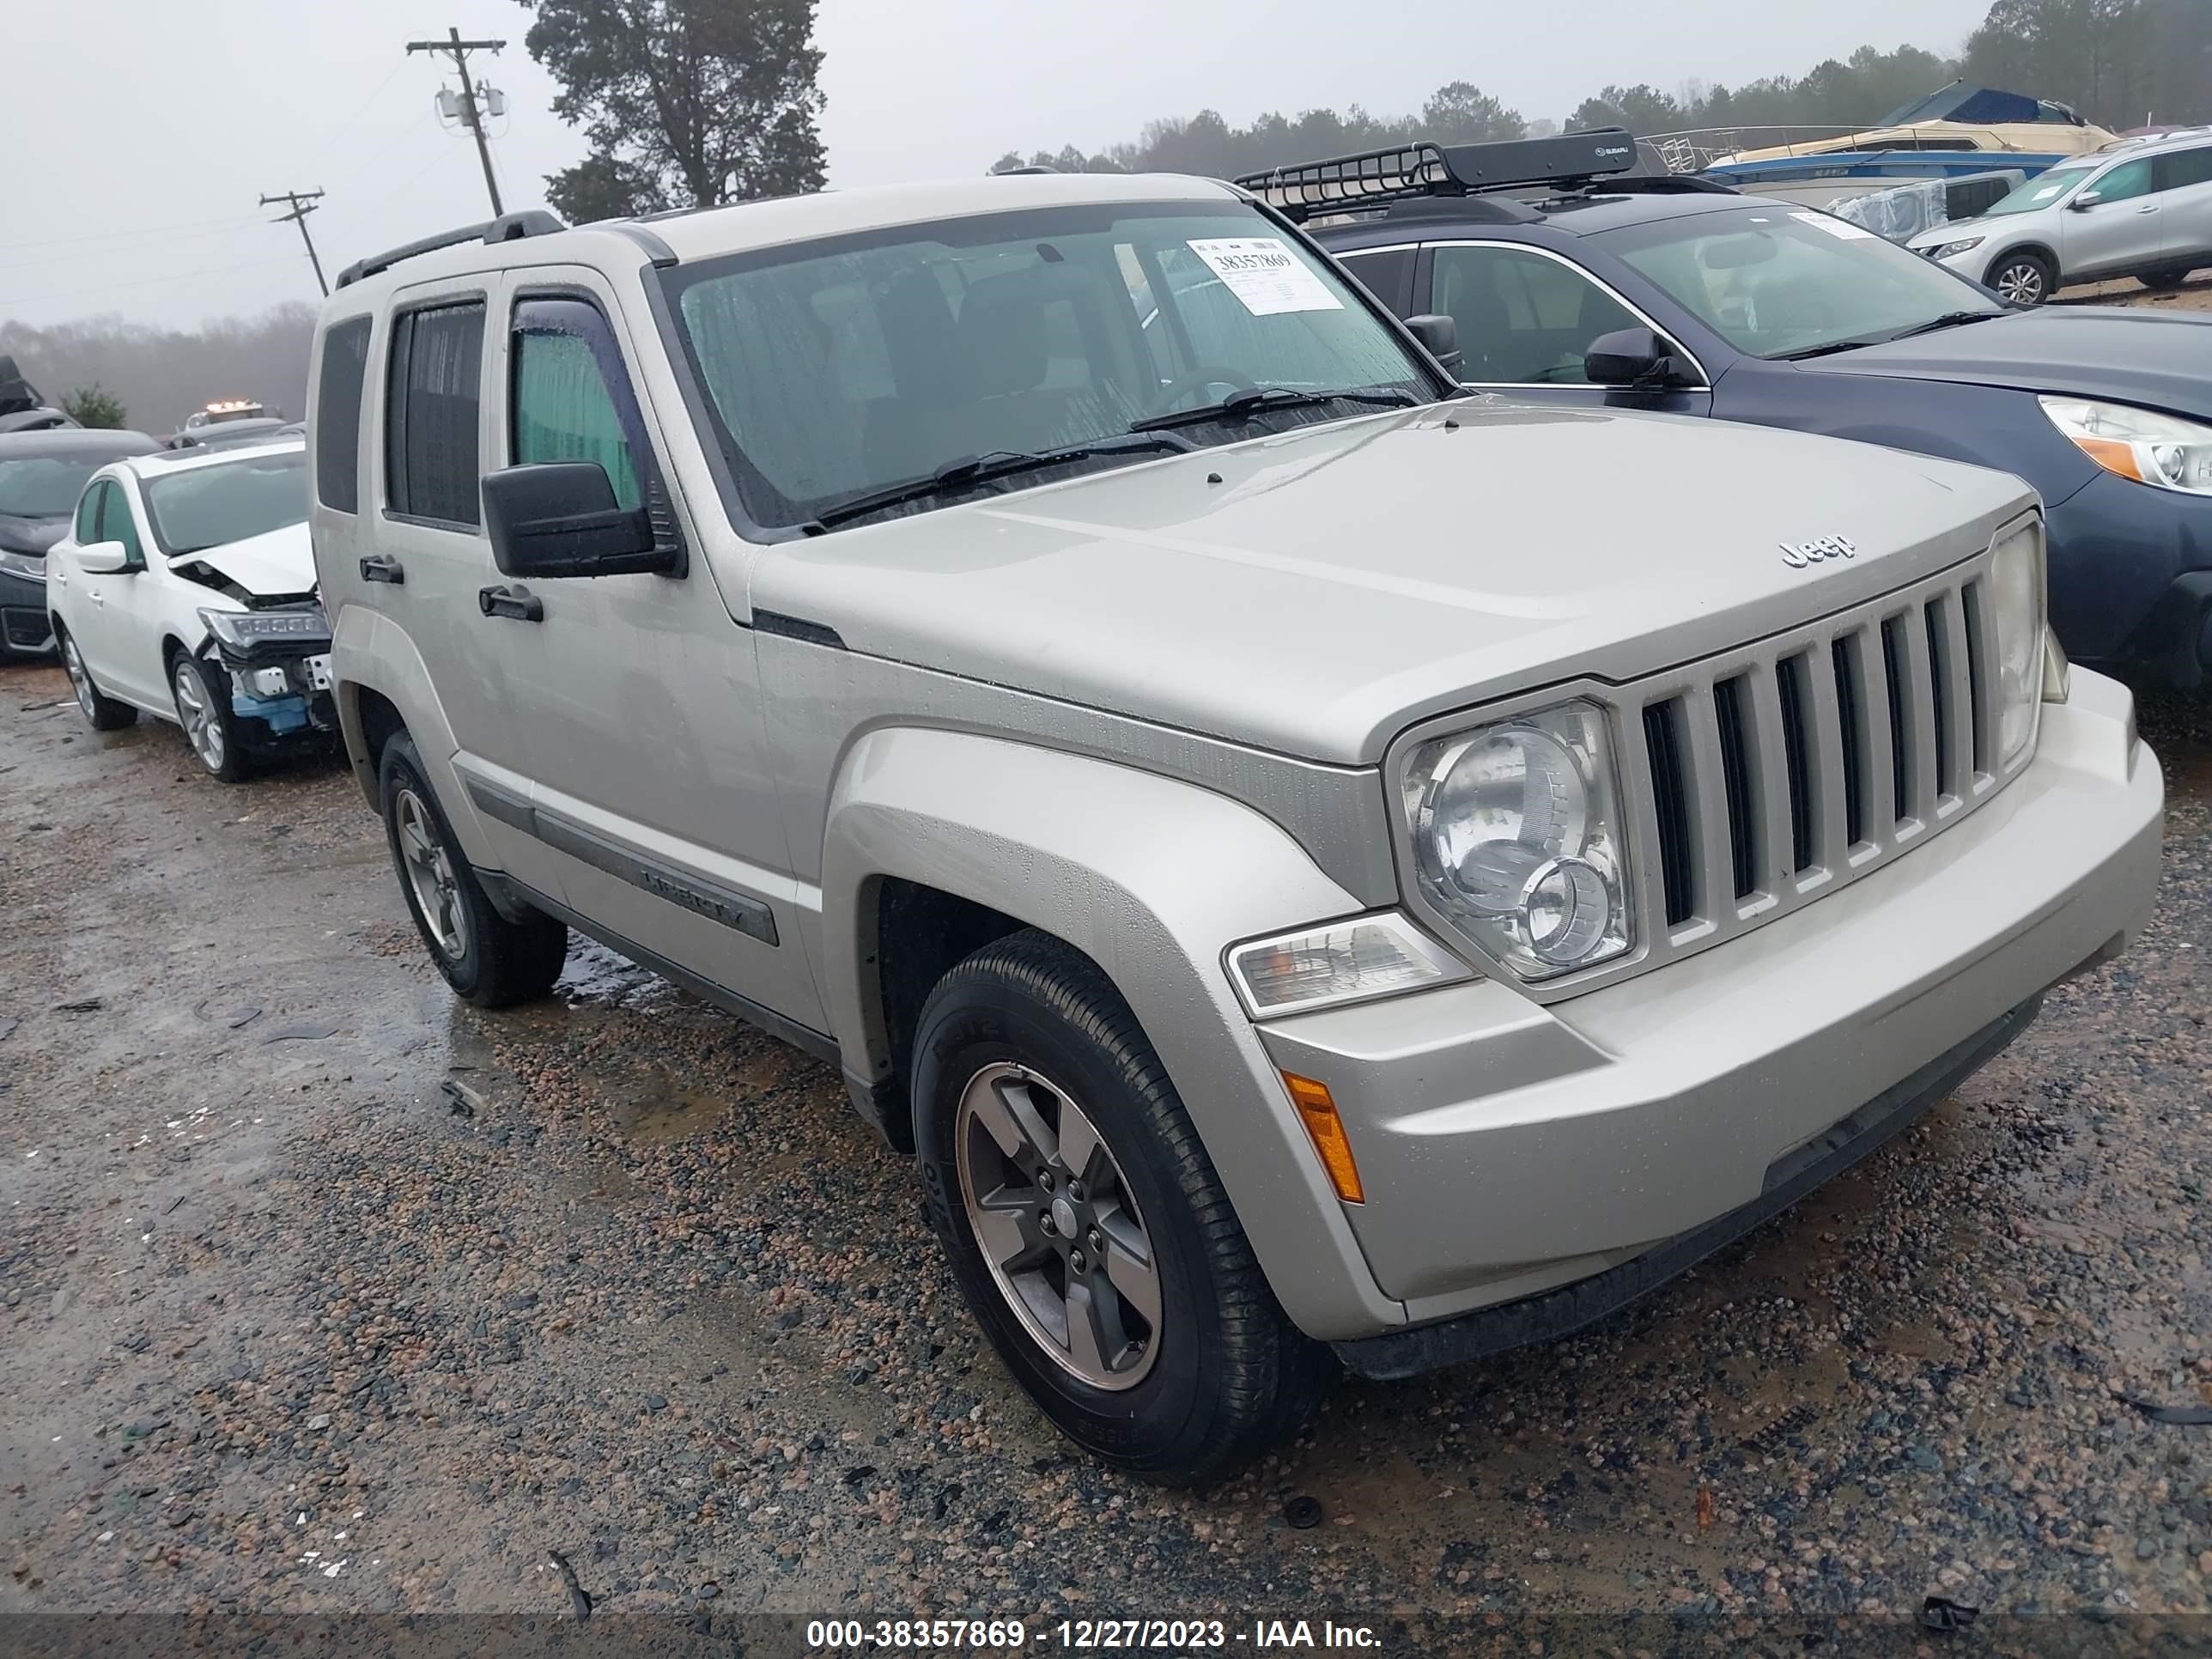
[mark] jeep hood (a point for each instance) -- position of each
(2161, 359)
(280, 564)
(1314, 592)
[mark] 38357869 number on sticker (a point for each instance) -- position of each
(917, 1635)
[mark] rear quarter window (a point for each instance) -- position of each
(337, 415)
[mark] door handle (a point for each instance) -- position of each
(98, 598)
(517, 602)
(383, 567)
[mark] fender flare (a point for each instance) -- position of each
(371, 652)
(1153, 879)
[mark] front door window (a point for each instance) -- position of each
(1524, 317)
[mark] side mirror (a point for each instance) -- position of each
(1438, 334)
(2085, 200)
(1637, 359)
(560, 518)
(103, 558)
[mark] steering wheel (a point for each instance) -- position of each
(1205, 374)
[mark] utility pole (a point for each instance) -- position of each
(302, 204)
(459, 50)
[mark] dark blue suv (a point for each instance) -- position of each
(1682, 297)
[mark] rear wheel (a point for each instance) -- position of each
(2024, 278)
(1086, 1226)
(2166, 278)
(486, 958)
(103, 711)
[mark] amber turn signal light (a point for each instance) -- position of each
(1317, 1111)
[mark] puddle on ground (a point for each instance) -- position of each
(596, 976)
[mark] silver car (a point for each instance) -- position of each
(2141, 208)
(1315, 865)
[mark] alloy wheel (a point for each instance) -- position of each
(1053, 1218)
(203, 723)
(79, 679)
(2020, 283)
(429, 871)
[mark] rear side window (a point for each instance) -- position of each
(435, 382)
(2185, 167)
(337, 415)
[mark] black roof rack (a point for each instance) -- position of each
(509, 227)
(1407, 172)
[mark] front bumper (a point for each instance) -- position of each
(2131, 579)
(286, 695)
(1509, 1149)
(25, 628)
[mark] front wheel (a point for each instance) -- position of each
(204, 713)
(2023, 279)
(1087, 1228)
(487, 959)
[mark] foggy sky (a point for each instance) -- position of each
(138, 134)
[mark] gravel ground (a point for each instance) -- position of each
(323, 1293)
(2190, 296)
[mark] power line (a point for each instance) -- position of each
(458, 50)
(135, 232)
(148, 281)
(227, 227)
(301, 205)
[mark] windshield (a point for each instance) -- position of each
(2047, 189)
(1777, 282)
(45, 486)
(836, 371)
(227, 501)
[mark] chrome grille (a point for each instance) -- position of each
(1766, 776)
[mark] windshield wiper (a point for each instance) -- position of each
(972, 471)
(1948, 319)
(1241, 405)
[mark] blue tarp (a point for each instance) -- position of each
(1982, 105)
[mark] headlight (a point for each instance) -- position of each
(1517, 835)
(31, 567)
(1951, 250)
(2138, 443)
(243, 629)
(1357, 961)
(2016, 618)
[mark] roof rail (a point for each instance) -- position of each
(1403, 172)
(509, 227)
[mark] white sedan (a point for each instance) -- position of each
(185, 588)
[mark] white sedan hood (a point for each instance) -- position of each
(279, 564)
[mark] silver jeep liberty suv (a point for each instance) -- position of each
(1316, 868)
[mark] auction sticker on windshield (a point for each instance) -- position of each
(1266, 275)
(1844, 229)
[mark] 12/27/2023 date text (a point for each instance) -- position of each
(1083, 1635)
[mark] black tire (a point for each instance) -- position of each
(1231, 1375)
(498, 962)
(211, 730)
(2166, 280)
(104, 714)
(2023, 277)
